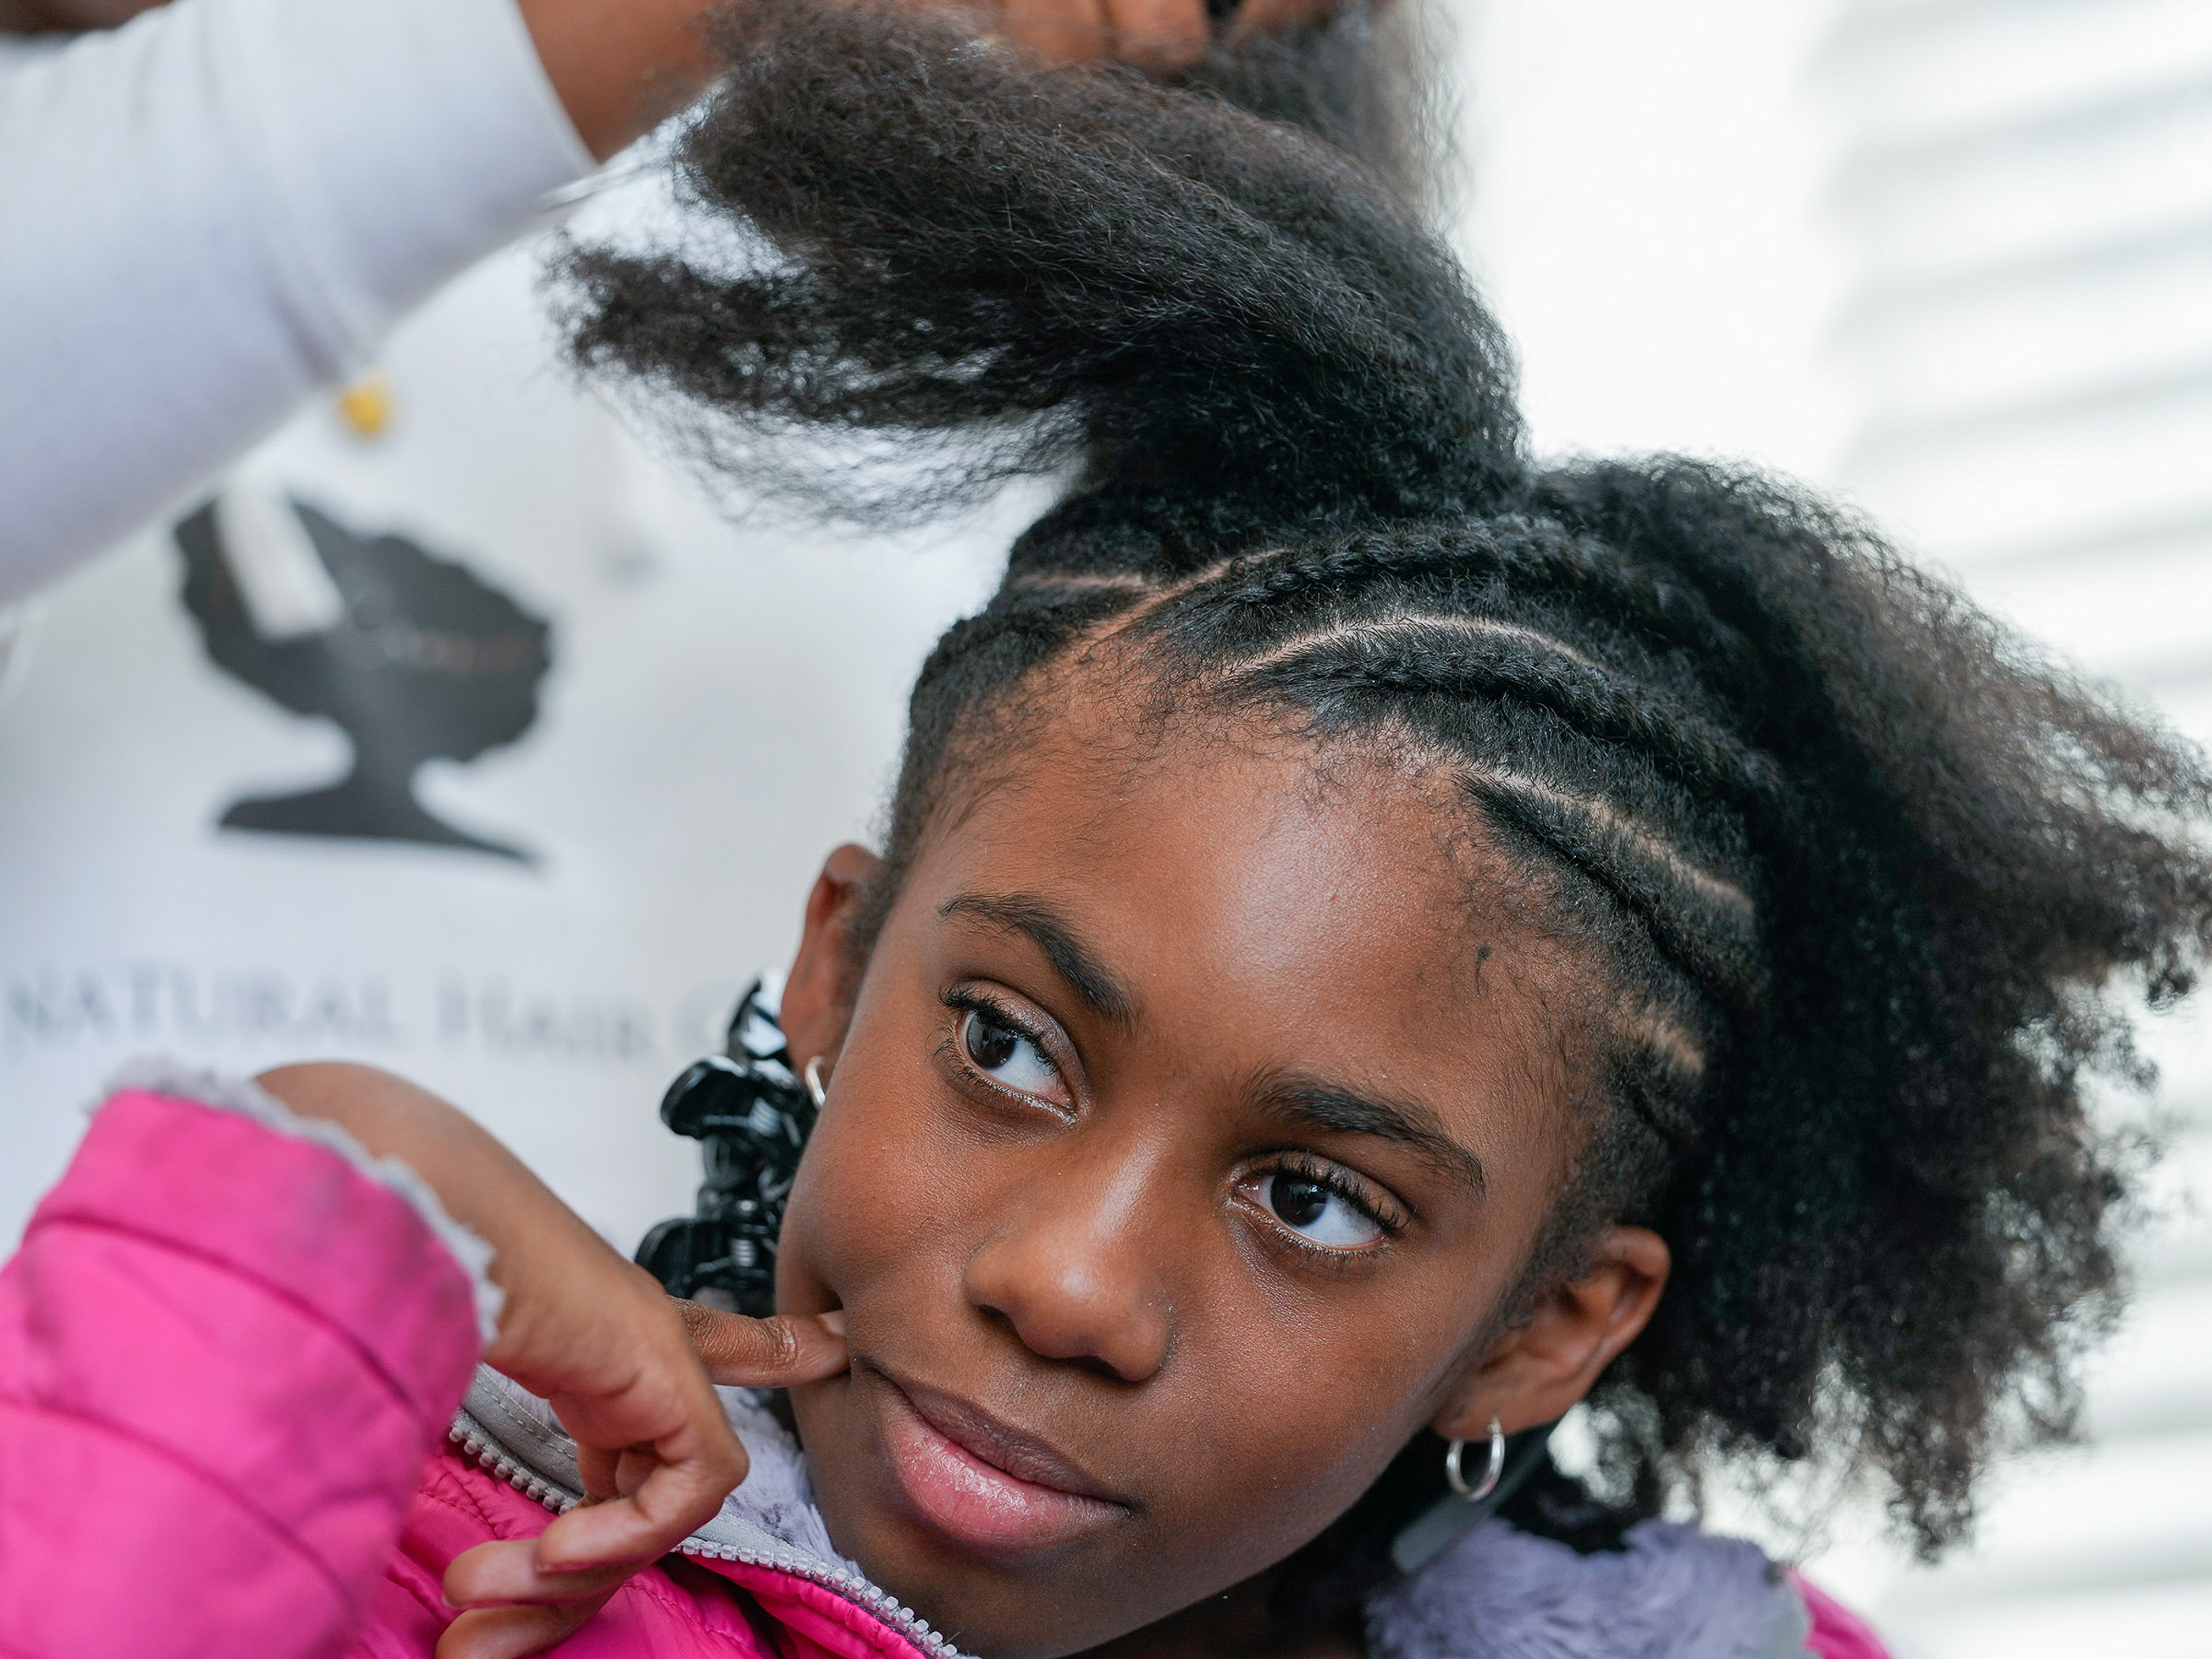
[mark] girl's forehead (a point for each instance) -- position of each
(1264, 821)
(1309, 907)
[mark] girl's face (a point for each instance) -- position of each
(1191, 1121)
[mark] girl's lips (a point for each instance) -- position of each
(943, 1450)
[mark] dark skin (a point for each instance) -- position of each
(621, 66)
(1177, 1159)
(1189, 1123)
(624, 1366)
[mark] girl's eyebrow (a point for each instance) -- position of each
(1336, 1110)
(1033, 918)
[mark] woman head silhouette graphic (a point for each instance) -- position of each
(419, 659)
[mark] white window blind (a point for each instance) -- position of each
(1954, 257)
(2025, 189)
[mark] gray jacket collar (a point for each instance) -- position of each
(1489, 1591)
(1494, 1592)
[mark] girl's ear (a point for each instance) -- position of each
(815, 1011)
(1548, 1363)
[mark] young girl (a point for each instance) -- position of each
(1376, 943)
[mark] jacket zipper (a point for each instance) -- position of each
(490, 1456)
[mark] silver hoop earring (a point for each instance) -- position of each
(817, 1090)
(1488, 1483)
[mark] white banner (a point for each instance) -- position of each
(456, 737)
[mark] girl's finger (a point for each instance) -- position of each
(1158, 34)
(635, 1466)
(496, 1575)
(595, 1466)
(765, 1353)
(510, 1633)
(675, 1500)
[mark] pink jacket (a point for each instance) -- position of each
(228, 1349)
(231, 1349)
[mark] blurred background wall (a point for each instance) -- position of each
(648, 795)
(1952, 257)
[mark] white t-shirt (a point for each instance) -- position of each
(208, 214)
(474, 744)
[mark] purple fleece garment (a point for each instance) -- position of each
(1498, 1593)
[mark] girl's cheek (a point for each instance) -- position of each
(876, 1196)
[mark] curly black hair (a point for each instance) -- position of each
(1868, 886)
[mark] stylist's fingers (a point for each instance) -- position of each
(765, 1353)
(1158, 34)
(1256, 15)
(1058, 31)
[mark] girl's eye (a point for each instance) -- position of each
(1007, 1056)
(1316, 1212)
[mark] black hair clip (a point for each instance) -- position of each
(753, 1115)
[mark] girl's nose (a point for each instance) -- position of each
(1073, 1269)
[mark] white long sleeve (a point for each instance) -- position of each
(212, 212)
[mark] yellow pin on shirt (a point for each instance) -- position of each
(366, 406)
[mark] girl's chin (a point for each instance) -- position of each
(974, 1505)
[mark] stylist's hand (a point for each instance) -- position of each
(593, 1334)
(621, 65)
(1154, 35)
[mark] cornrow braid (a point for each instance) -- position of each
(1862, 883)
(1412, 653)
(1384, 658)
(1705, 922)
(1534, 555)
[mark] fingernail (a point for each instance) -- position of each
(833, 1321)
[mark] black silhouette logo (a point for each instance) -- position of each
(419, 659)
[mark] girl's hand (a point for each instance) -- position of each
(596, 1336)
(656, 1454)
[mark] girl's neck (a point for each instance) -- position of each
(1237, 1624)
